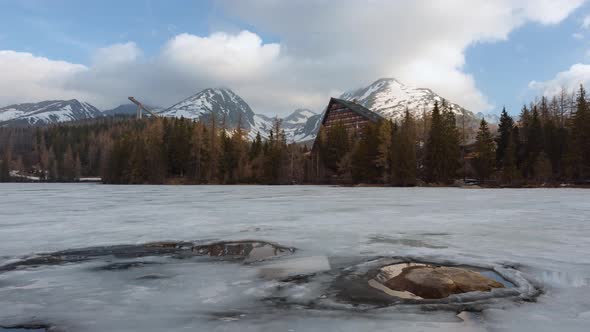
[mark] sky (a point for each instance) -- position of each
(283, 55)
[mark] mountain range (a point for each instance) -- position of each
(387, 97)
(47, 112)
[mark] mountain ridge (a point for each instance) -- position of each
(386, 96)
(47, 112)
(390, 98)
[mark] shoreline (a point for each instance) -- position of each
(360, 185)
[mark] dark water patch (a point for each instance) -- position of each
(152, 277)
(299, 278)
(408, 242)
(245, 251)
(249, 250)
(252, 229)
(26, 328)
(124, 266)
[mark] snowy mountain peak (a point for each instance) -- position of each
(387, 80)
(301, 125)
(299, 116)
(47, 112)
(223, 103)
(390, 98)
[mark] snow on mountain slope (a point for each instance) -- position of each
(10, 112)
(299, 126)
(262, 124)
(299, 116)
(229, 107)
(390, 98)
(223, 103)
(48, 112)
(305, 131)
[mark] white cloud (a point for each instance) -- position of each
(570, 79)
(220, 56)
(577, 35)
(117, 54)
(421, 42)
(586, 22)
(323, 50)
(547, 11)
(25, 77)
(185, 65)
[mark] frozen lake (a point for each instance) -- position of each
(544, 233)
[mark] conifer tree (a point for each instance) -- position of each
(6, 159)
(533, 144)
(434, 147)
(4, 167)
(68, 165)
(504, 135)
(213, 151)
(156, 152)
(365, 155)
(387, 131)
(509, 168)
(137, 168)
(239, 141)
(442, 148)
(256, 147)
(77, 168)
(228, 161)
(554, 144)
(54, 174)
(43, 159)
(484, 159)
(198, 153)
(542, 168)
(405, 152)
(275, 155)
(579, 155)
(257, 159)
(452, 148)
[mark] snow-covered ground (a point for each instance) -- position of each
(545, 233)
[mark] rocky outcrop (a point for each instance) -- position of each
(420, 281)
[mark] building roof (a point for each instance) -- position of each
(367, 113)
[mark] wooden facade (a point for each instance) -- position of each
(352, 116)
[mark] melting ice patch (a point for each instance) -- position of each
(339, 233)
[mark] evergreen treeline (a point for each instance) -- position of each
(162, 150)
(548, 143)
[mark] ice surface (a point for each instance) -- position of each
(543, 233)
